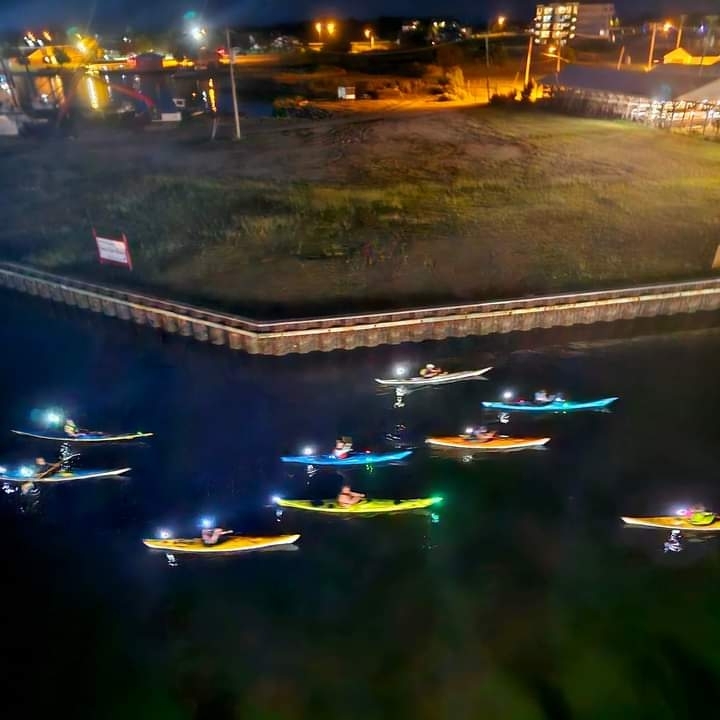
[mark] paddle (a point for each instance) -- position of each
(52, 469)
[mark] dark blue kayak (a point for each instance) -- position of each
(552, 406)
(354, 458)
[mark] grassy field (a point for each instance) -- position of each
(370, 210)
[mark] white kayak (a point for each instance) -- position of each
(85, 437)
(441, 379)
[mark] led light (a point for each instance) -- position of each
(276, 499)
(308, 450)
(164, 534)
(207, 522)
(400, 370)
(507, 395)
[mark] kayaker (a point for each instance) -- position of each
(700, 516)
(430, 371)
(211, 536)
(483, 434)
(541, 396)
(70, 428)
(346, 497)
(43, 469)
(343, 447)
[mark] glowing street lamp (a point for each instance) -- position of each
(318, 29)
(501, 21)
(330, 28)
(370, 35)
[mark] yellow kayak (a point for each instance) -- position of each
(236, 543)
(500, 442)
(673, 522)
(364, 507)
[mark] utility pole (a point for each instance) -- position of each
(528, 61)
(487, 60)
(236, 112)
(680, 32)
(651, 54)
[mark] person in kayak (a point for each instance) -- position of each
(483, 434)
(430, 371)
(346, 497)
(541, 396)
(211, 536)
(343, 448)
(700, 516)
(44, 469)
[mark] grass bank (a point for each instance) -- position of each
(369, 211)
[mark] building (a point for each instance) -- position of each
(555, 23)
(558, 23)
(680, 56)
(595, 20)
(670, 96)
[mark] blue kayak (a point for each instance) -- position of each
(355, 458)
(552, 406)
(28, 473)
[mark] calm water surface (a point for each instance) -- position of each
(526, 600)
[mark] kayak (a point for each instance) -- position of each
(672, 522)
(25, 474)
(364, 507)
(442, 379)
(355, 458)
(94, 437)
(553, 406)
(501, 442)
(237, 543)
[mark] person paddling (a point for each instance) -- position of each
(346, 497)
(211, 536)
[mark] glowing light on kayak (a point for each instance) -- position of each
(469, 430)
(437, 499)
(276, 499)
(400, 370)
(681, 511)
(3, 470)
(507, 395)
(207, 522)
(26, 471)
(308, 450)
(53, 417)
(164, 534)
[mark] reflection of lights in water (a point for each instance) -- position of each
(467, 458)
(434, 517)
(278, 514)
(211, 95)
(172, 562)
(504, 418)
(92, 94)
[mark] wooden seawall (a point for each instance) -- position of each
(346, 332)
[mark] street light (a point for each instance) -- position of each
(501, 21)
(318, 28)
(330, 28)
(369, 35)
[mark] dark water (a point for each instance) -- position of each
(526, 600)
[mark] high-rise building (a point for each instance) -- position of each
(555, 23)
(560, 22)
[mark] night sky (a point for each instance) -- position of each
(137, 13)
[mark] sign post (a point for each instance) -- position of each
(112, 251)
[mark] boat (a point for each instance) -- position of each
(443, 378)
(364, 507)
(25, 473)
(88, 437)
(234, 544)
(499, 442)
(354, 458)
(553, 406)
(674, 522)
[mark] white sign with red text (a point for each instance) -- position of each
(114, 252)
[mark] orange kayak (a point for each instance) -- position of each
(499, 442)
